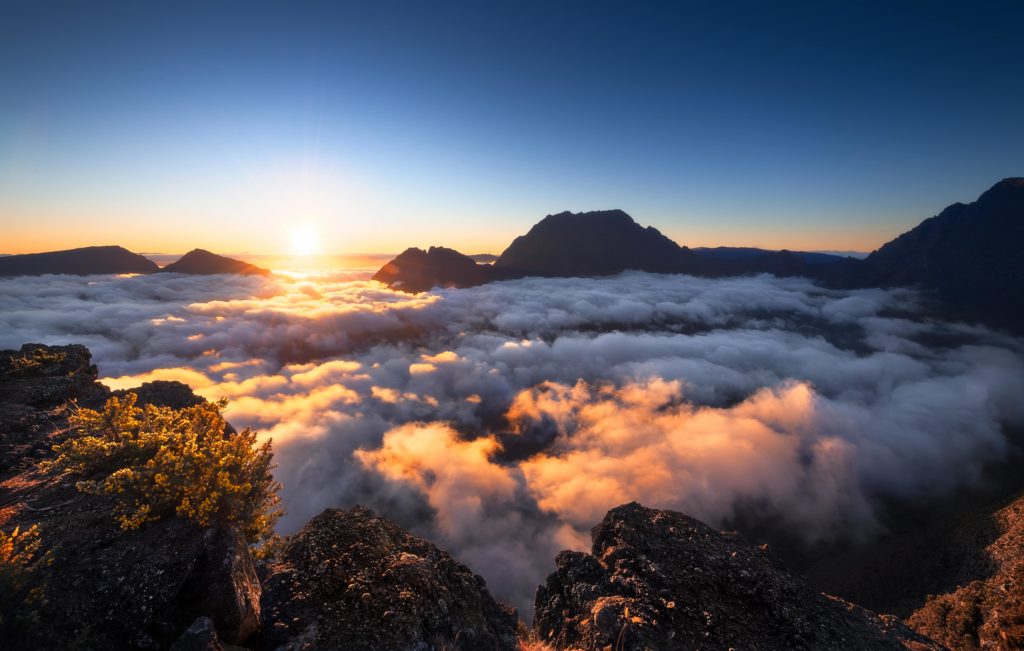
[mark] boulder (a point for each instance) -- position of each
(352, 580)
(661, 580)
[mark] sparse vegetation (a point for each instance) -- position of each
(20, 589)
(34, 359)
(159, 462)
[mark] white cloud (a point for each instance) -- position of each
(502, 421)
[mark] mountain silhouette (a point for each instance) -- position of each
(599, 243)
(82, 262)
(202, 262)
(416, 270)
(967, 257)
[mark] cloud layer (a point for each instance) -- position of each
(502, 421)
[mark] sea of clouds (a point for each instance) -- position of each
(502, 421)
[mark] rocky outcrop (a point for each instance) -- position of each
(36, 383)
(352, 580)
(661, 580)
(81, 262)
(104, 587)
(986, 611)
(202, 262)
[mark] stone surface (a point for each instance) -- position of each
(661, 580)
(107, 588)
(986, 612)
(352, 580)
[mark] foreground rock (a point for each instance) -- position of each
(202, 262)
(104, 587)
(82, 262)
(351, 580)
(987, 610)
(661, 580)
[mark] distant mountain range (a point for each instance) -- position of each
(88, 260)
(968, 257)
(118, 260)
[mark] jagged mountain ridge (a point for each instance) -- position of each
(967, 257)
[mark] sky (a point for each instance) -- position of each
(376, 126)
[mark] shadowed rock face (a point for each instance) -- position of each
(661, 580)
(969, 254)
(202, 262)
(351, 580)
(81, 262)
(600, 243)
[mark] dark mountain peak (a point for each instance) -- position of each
(203, 262)
(1008, 190)
(593, 217)
(83, 261)
(968, 254)
(416, 270)
(597, 243)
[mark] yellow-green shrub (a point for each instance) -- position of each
(159, 461)
(20, 591)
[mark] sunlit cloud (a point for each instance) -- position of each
(502, 421)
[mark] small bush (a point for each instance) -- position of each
(159, 462)
(20, 590)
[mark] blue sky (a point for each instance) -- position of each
(384, 125)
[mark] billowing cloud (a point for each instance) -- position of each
(502, 421)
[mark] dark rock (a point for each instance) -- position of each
(164, 393)
(37, 383)
(352, 580)
(202, 262)
(200, 636)
(83, 261)
(661, 580)
(45, 376)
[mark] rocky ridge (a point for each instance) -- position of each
(661, 580)
(352, 580)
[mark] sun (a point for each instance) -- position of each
(305, 241)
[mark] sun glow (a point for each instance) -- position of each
(305, 241)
